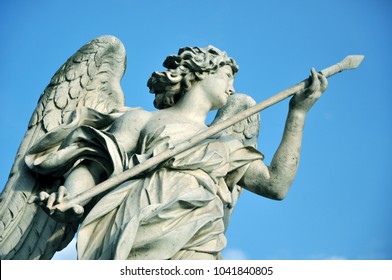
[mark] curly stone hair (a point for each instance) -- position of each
(183, 69)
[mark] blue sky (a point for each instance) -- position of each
(339, 205)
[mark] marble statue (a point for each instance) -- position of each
(81, 134)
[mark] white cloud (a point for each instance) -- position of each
(322, 256)
(335, 257)
(234, 254)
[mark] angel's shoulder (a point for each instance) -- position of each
(134, 120)
(137, 114)
(126, 129)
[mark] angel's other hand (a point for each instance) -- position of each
(304, 100)
(49, 201)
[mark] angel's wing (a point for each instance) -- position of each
(246, 131)
(90, 78)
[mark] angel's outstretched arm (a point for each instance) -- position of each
(274, 181)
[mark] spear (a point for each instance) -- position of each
(349, 62)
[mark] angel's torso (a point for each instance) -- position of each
(140, 126)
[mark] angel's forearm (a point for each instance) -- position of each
(83, 177)
(285, 162)
(274, 181)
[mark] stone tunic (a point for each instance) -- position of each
(176, 210)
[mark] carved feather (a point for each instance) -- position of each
(90, 78)
(246, 131)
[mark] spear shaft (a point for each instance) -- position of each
(350, 62)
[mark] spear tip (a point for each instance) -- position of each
(351, 61)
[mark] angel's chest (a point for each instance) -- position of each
(170, 132)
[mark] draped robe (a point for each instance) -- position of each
(177, 210)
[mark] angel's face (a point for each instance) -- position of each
(219, 86)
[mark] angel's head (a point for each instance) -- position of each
(183, 70)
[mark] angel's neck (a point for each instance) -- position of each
(193, 107)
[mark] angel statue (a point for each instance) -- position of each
(81, 133)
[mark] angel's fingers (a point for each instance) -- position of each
(51, 200)
(323, 82)
(313, 72)
(78, 210)
(42, 196)
(62, 192)
(314, 82)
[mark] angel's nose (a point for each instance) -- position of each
(230, 92)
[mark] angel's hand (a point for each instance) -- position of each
(303, 101)
(49, 201)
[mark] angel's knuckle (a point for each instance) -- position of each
(43, 195)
